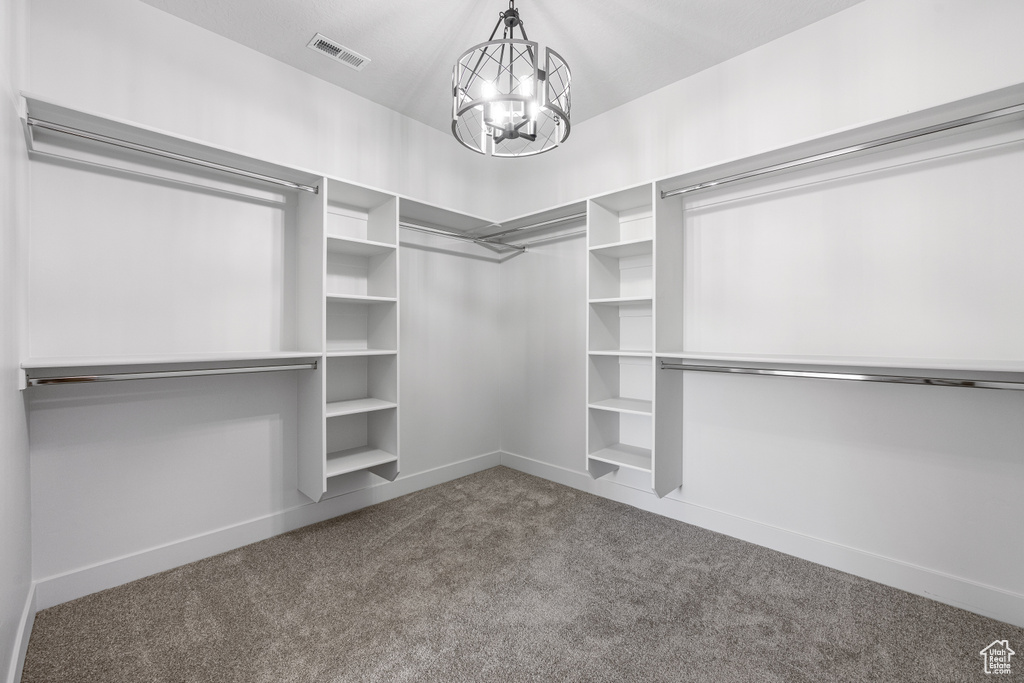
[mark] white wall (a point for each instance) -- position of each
(898, 484)
(543, 367)
(874, 61)
(125, 59)
(15, 558)
(132, 478)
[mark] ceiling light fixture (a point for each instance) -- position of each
(506, 102)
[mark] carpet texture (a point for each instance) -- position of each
(500, 576)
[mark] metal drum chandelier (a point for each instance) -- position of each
(507, 103)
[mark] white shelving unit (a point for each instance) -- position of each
(621, 332)
(357, 391)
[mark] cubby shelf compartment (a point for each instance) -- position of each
(625, 216)
(622, 271)
(361, 324)
(623, 324)
(623, 455)
(357, 459)
(620, 384)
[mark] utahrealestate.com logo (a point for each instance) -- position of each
(997, 657)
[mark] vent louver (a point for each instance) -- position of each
(337, 52)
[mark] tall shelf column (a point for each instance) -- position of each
(620, 332)
(357, 396)
(628, 269)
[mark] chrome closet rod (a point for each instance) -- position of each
(457, 236)
(117, 142)
(889, 379)
(116, 377)
(920, 132)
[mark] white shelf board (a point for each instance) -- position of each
(341, 353)
(359, 405)
(623, 405)
(361, 299)
(625, 353)
(920, 364)
(624, 455)
(163, 359)
(622, 300)
(357, 247)
(356, 459)
(625, 248)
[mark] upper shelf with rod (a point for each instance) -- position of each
(44, 118)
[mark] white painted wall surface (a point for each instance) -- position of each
(543, 362)
(128, 60)
(450, 353)
(15, 539)
(874, 61)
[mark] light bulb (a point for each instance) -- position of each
(488, 90)
(498, 112)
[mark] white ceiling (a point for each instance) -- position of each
(618, 50)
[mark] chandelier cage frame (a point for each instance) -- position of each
(505, 102)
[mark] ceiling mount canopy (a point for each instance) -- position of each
(506, 101)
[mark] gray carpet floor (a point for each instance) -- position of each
(501, 576)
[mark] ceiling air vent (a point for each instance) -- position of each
(338, 52)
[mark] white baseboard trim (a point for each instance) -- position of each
(28, 617)
(982, 599)
(53, 590)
